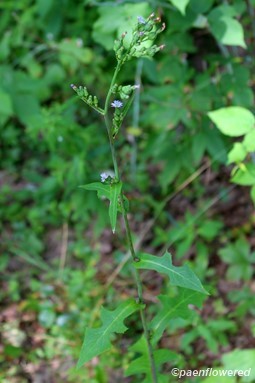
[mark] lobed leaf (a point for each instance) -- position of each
(181, 276)
(98, 340)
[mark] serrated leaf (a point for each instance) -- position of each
(115, 190)
(176, 307)
(141, 365)
(180, 5)
(181, 276)
(233, 121)
(98, 340)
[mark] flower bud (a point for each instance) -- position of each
(95, 101)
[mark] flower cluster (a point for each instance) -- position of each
(119, 110)
(144, 34)
(118, 117)
(86, 97)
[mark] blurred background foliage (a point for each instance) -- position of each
(59, 261)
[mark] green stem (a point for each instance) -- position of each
(128, 230)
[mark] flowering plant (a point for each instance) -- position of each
(111, 187)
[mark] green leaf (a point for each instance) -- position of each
(241, 360)
(5, 104)
(209, 229)
(115, 190)
(98, 340)
(201, 6)
(176, 307)
(111, 192)
(245, 175)
(228, 31)
(113, 21)
(180, 5)
(249, 141)
(223, 379)
(27, 108)
(237, 153)
(233, 121)
(179, 276)
(103, 190)
(141, 365)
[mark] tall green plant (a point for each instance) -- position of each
(98, 340)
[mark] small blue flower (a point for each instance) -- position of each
(104, 177)
(141, 20)
(116, 104)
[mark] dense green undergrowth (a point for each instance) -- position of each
(182, 174)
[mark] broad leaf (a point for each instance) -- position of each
(98, 340)
(180, 5)
(141, 365)
(233, 121)
(176, 307)
(113, 21)
(115, 190)
(228, 31)
(224, 27)
(241, 360)
(249, 141)
(237, 153)
(179, 276)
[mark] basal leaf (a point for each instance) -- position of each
(233, 121)
(98, 340)
(176, 307)
(115, 190)
(141, 365)
(179, 276)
